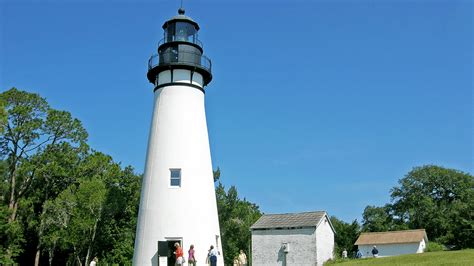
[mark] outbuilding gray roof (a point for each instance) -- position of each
(288, 220)
(392, 237)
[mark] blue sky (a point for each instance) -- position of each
(314, 105)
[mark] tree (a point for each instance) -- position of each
(346, 235)
(31, 125)
(11, 238)
(55, 220)
(60, 202)
(55, 171)
(90, 200)
(96, 215)
(380, 219)
(31, 128)
(116, 234)
(26, 114)
(3, 115)
(235, 218)
(439, 200)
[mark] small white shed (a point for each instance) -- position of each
(393, 243)
(294, 239)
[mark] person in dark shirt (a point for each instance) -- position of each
(375, 252)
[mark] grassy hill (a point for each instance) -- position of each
(460, 257)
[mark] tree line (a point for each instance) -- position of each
(429, 197)
(62, 202)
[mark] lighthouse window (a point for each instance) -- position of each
(169, 32)
(185, 32)
(175, 180)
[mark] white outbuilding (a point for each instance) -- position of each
(392, 243)
(294, 239)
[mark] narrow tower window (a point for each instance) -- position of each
(175, 180)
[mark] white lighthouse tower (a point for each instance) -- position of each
(178, 202)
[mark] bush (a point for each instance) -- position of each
(433, 246)
(335, 261)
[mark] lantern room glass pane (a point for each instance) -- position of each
(180, 31)
(169, 32)
(185, 32)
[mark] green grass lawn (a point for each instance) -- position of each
(459, 257)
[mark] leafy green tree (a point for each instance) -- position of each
(59, 199)
(439, 200)
(90, 198)
(11, 238)
(31, 128)
(346, 235)
(55, 220)
(11, 233)
(97, 173)
(96, 216)
(3, 115)
(79, 211)
(26, 114)
(235, 218)
(380, 219)
(116, 237)
(55, 171)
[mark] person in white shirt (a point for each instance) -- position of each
(242, 258)
(93, 262)
(344, 254)
(213, 256)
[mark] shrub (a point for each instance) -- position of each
(433, 246)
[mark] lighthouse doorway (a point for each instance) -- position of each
(166, 251)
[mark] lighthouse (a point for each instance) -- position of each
(178, 203)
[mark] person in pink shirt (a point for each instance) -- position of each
(191, 258)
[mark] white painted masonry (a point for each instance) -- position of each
(267, 246)
(386, 250)
(308, 245)
(178, 140)
(324, 240)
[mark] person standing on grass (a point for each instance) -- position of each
(344, 254)
(375, 252)
(242, 258)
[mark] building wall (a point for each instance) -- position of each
(267, 247)
(324, 241)
(422, 247)
(393, 249)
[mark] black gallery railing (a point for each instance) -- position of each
(180, 57)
